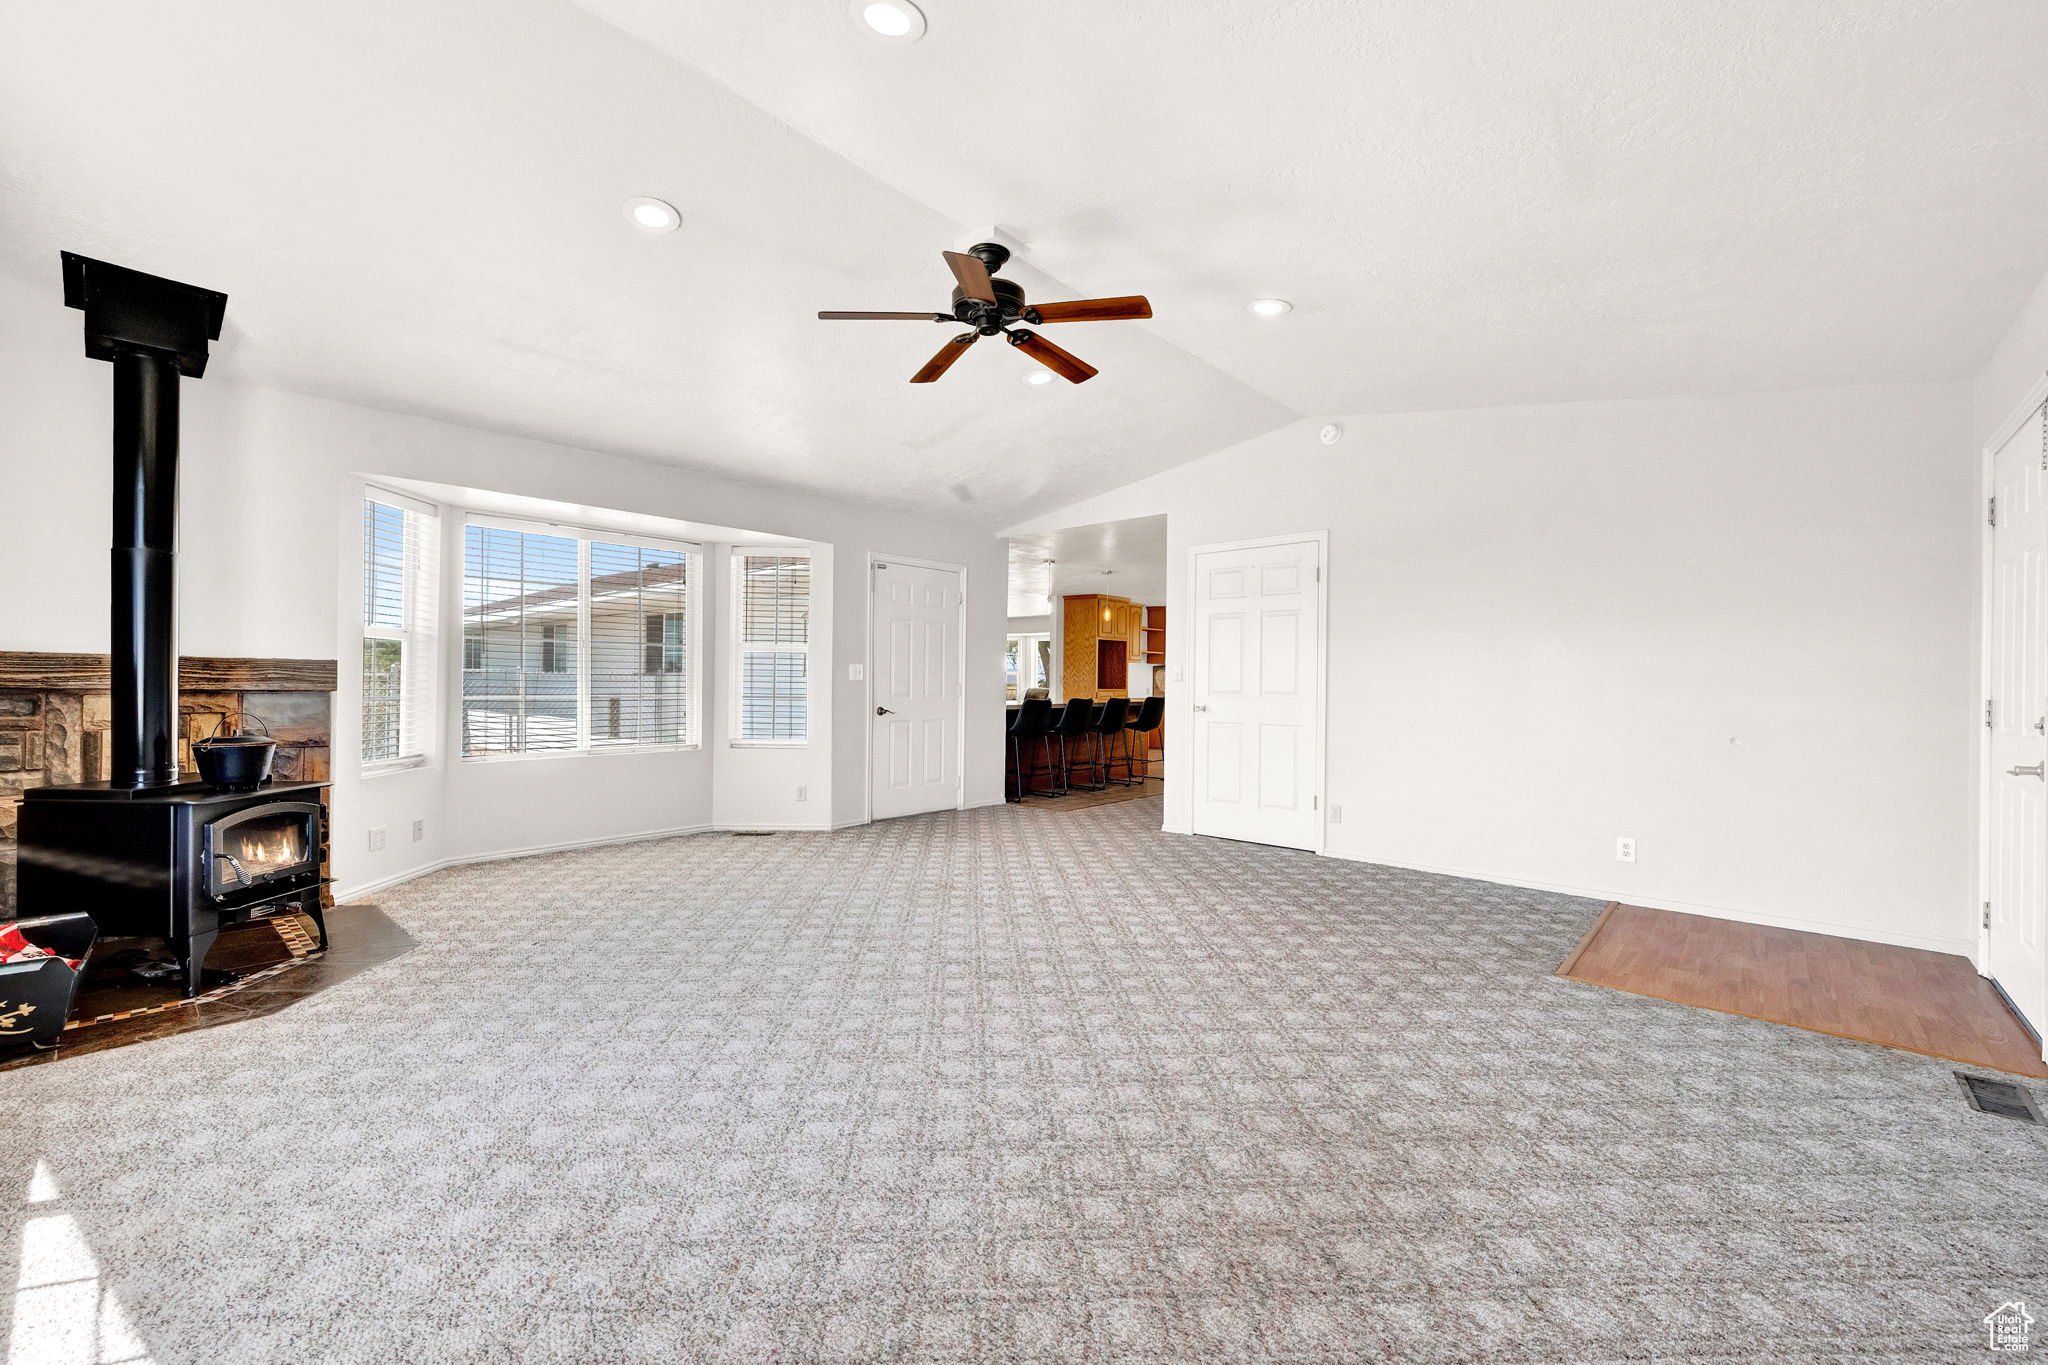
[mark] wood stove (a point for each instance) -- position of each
(144, 853)
(173, 862)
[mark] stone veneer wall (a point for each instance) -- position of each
(54, 712)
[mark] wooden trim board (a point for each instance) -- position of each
(1911, 999)
(1571, 958)
(196, 673)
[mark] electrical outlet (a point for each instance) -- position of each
(803, 793)
(376, 838)
(419, 830)
(1336, 814)
(856, 672)
(1625, 849)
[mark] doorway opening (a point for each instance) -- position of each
(1085, 665)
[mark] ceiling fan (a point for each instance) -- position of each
(993, 307)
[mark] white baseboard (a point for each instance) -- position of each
(344, 895)
(724, 828)
(1962, 947)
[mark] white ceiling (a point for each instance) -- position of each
(1472, 202)
(418, 207)
(1121, 558)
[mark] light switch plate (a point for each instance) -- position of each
(856, 672)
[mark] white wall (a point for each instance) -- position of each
(268, 482)
(1736, 628)
(2015, 366)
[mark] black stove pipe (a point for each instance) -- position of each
(153, 330)
(144, 658)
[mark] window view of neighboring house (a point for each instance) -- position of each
(572, 643)
(663, 652)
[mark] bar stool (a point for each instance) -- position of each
(1151, 711)
(1071, 730)
(1031, 725)
(1115, 711)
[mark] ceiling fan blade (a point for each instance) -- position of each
(1067, 366)
(973, 276)
(943, 361)
(1095, 310)
(906, 317)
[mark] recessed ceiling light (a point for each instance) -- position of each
(653, 215)
(1040, 377)
(897, 20)
(1270, 308)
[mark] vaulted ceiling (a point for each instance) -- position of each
(417, 207)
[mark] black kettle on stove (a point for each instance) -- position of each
(232, 758)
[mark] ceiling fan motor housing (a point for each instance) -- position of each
(1008, 307)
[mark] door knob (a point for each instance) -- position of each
(2037, 770)
(883, 711)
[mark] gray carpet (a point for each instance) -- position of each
(1003, 1086)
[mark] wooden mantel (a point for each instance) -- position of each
(90, 673)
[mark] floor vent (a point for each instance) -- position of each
(2002, 1098)
(753, 834)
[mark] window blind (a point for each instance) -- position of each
(772, 612)
(400, 555)
(572, 642)
(519, 591)
(639, 645)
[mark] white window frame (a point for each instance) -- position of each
(419, 651)
(740, 647)
(1027, 662)
(693, 599)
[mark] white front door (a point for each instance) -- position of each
(914, 652)
(2018, 635)
(1257, 753)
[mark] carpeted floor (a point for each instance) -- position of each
(1002, 1086)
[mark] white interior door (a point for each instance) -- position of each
(1256, 758)
(2018, 804)
(914, 652)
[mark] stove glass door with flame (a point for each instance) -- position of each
(260, 845)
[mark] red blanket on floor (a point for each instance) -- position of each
(16, 948)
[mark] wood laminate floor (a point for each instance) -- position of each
(1910, 998)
